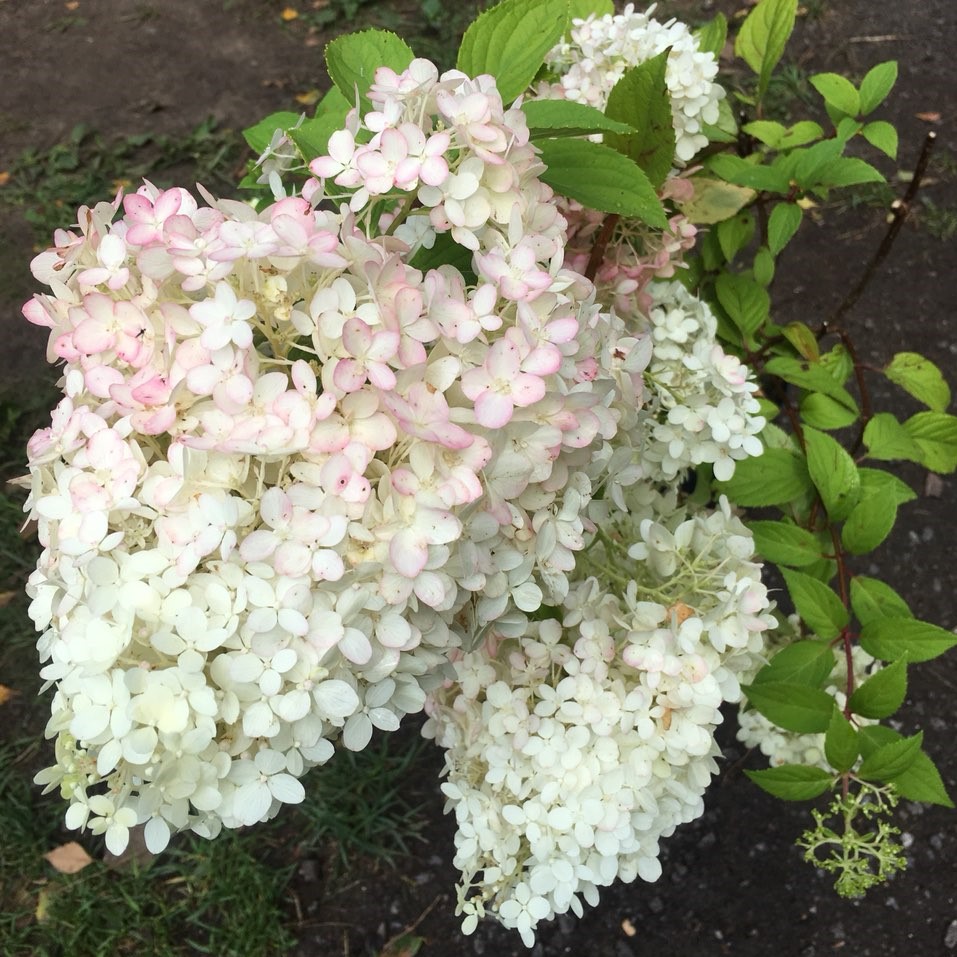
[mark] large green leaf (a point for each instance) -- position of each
(567, 118)
(833, 473)
(872, 600)
(936, 435)
(817, 604)
(812, 376)
(894, 638)
(877, 83)
(353, 58)
(640, 99)
(773, 478)
(870, 521)
(883, 693)
(792, 782)
(792, 706)
(785, 544)
(601, 178)
(804, 662)
(763, 37)
(887, 440)
(921, 378)
(510, 41)
(891, 760)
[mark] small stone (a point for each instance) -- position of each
(656, 905)
(950, 938)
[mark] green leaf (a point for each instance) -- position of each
(763, 267)
(783, 223)
(812, 376)
(792, 706)
(353, 58)
(838, 364)
(838, 92)
(922, 782)
(873, 600)
(893, 638)
(734, 234)
(784, 544)
(891, 760)
(715, 200)
(763, 37)
(936, 435)
(725, 130)
(920, 378)
(770, 179)
(768, 132)
(819, 607)
(746, 303)
(773, 478)
(445, 251)
(875, 86)
(887, 440)
(874, 736)
(873, 480)
(882, 693)
(312, 137)
(792, 782)
(567, 118)
(848, 128)
(806, 662)
(510, 41)
(809, 164)
(849, 171)
(802, 133)
(803, 340)
(713, 35)
(583, 9)
(823, 412)
(640, 99)
(881, 135)
(870, 521)
(840, 743)
(601, 178)
(833, 473)
(260, 135)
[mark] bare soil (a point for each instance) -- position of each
(733, 882)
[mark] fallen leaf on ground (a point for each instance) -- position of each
(6, 597)
(6, 694)
(404, 946)
(4, 177)
(290, 13)
(68, 858)
(929, 117)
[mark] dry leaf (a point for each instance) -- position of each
(309, 98)
(289, 13)
(68, 858)
(4, 177)
(928, 117)
(6, 694)
(404, 946)
(72, 4)
(43, 905)
(628, 927)
(6, 597)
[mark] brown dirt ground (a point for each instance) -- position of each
(733, 883)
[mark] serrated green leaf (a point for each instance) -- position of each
(353, 58)
(838, 92)
(922, 782)
(583, 9)
(803, 340)
(734, 234)
(712, 35)
(882, 693)
(601, 178)
(810, 163)
(920, 378)
(823, 412)
(715, 200)
(887, 440)
(783, 223)
(840, 743)
(848, 171)
(936, 435)
(833, 473)
(819, 607)
(891, 760)
(875, 86)
(792, 782)
(312, 137)
(735, 170)
(792, 706)
(881, 135)
(804, 662)
(811, 376)
(870, 521)
(260, 135)
(893, 638)
(773, 478)
(784, 544)
(838, 364)
(768, 132)
(763, 37)
(874, 736)
(510, 41)
(873, 480)
(763, 267)
(873, 600)
(802, 133)
(640, 98)
(567, 118)
(746, 303)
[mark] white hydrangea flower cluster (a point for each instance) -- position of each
(573, 749)
(788, 747)
(290, 470)
(599, 50)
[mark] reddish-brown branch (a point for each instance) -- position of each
(601, 244)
